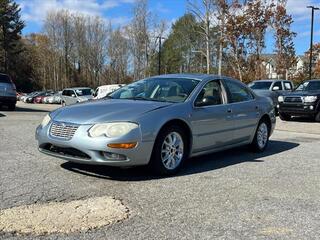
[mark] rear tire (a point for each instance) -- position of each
(170, 151)
(261, 138)
(12, 107)
(63, 104)
(284, 116)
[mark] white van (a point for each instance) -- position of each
(104, 90)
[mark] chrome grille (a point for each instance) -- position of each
(293, 99)
(63, 130)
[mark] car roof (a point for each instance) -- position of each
(76, 88)
(269, 80)
(196, 76)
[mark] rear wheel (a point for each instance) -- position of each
(284, 116)
(63, 104)
(170, 151)
(261, 138)
(11, 106)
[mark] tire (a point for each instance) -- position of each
(170, 151)
(284, 116)
(261, 137)
(63, 104)
(12, 107)
(317, 117)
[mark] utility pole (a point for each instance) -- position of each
(159, 55)
(311, 39)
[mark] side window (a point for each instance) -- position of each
(277, 84)
(238, 92)
(65, 93)
(288, 86)
(209, 95)
(71, 92)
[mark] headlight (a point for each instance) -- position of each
(45, 120)
(280, 99)
(310, 99)
(112, 129)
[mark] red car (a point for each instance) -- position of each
(39, 99)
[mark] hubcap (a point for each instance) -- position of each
(172, 150)
(262, 135)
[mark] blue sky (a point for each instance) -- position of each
(119, 13)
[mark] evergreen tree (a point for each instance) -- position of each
(10, 33)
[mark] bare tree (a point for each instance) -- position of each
(204, 13)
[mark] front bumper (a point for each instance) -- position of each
(83, 149)
(298, 109)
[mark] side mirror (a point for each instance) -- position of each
(207, 101)
(73, 95)
(275, 88)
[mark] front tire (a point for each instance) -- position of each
(317, 117)
(170, 151)
(284, 116)
(261, 138)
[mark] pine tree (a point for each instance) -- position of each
(10, 33)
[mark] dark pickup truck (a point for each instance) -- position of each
(303, 101)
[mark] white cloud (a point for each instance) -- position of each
(36, 10)
(298, 8)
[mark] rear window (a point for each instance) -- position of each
(4, 78)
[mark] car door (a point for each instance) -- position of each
(245, 110)
(211, 118)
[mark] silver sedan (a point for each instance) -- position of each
(160, 122)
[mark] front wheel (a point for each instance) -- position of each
(261, 138)
(317, 117)
(284, 116)
(170, 151)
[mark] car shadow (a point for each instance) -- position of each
(302, 119)
(2, 115)
(194, 165)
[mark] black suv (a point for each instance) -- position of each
(303, 101)
(8, 94)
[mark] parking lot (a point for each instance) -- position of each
(234, 194)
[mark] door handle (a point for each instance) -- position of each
(229, 110)
(257, 107)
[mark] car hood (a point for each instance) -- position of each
(264, 92)
(302, 93)
(105, 111)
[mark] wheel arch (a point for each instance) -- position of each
(184, 125)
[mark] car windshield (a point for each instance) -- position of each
(157, 89)
(83, 92)
(309, 86)
(260, 85)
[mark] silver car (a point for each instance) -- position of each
(75, 95)
(160, 122)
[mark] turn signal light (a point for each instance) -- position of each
(122, 145)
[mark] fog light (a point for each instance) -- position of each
(311, 107)
(114, 156)
(122, 145)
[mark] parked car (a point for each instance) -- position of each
(272, 89)
(160, 121)
(104, 90)
(31, 99)
(8, 94)
(303, 101)
(75, 95)
(39, 98)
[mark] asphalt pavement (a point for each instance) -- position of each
(235, 194)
